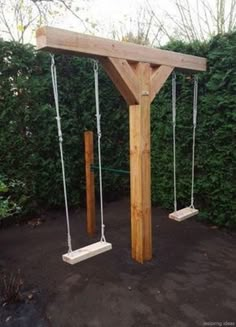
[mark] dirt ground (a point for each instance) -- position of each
(191, 280)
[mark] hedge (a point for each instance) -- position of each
(29, 145)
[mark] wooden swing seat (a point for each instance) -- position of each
(183, 214)
(86, 252)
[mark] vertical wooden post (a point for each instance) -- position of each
(140, 169)
(90, 189)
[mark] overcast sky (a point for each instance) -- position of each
(108, 13)
(121, 16)
(113, 12)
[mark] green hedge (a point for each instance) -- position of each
(215, 188)
(29, 144)
(28, 133)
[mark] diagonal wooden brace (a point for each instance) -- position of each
(158, 79)
(124, 78)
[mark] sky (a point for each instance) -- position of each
(105, 13)
(119, 15)
(108, 12)
(110, 9)
(109, 15)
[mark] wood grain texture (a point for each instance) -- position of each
(63, 41)
(182, 214)
(86, 252)
(144, 74)
(90, 188)
(124, 78)
(140, 171)
(158, 79)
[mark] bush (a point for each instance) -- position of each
(28, 134)
(215, 188)
(10, 202)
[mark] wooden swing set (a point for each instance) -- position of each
(138, 72)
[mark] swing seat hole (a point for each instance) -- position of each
(183, 214)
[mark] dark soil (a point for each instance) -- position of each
(191, 280)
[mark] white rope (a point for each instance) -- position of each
(99, 134)
(195, 97)
(174, 125)
(55, 92)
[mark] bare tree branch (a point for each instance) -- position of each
(199, 19)
(73, 13)
(3, 18)
(159, 23)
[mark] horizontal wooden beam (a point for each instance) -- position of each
(63, 41)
